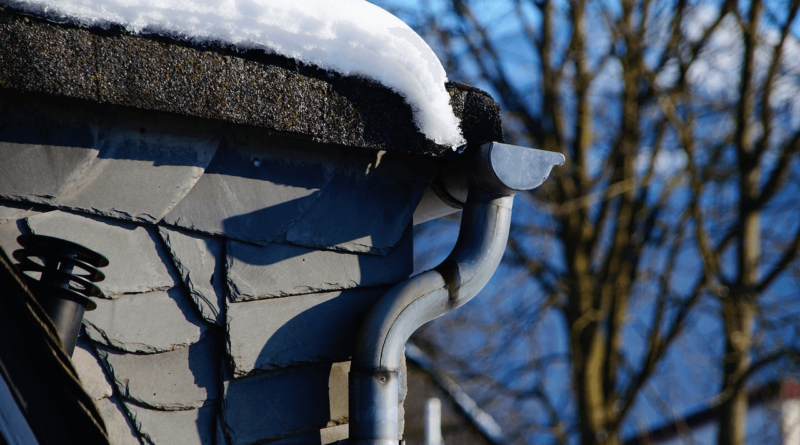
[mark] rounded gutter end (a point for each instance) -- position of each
(504, 169)
(496, 169)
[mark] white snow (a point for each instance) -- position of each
(351, 37)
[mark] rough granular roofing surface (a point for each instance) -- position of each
(252, 87)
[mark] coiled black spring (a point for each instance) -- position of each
(63, 293)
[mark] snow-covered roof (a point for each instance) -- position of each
(350, 37)
(109, 66)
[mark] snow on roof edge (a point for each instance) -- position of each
(351, 37)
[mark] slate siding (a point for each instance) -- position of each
(241, 263)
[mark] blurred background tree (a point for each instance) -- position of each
(657, 270)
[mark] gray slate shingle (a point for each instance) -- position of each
(299, 400)
(15, 210)
(279, 270)
(200, 262)
(9, 231)
(43, 148)
(324, 436)
(312, 328)
(144, 167)
(38, 173)
(182, 379)
(255, 203)
(136, 261)
(90, 371)
(150, 322)
(367, 205)
(191, 427)
(119, 426)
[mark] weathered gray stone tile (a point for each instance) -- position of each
(15, 210)
(136, 261)
(334, 434)
(222, 439)
(324, 436)
(90, 371)
(278, 270)
(296, 400)
(192, 427)
(255, 187)
(12, 225)
(119, 426)
(367, 206)
(199, 260)
(144, 167)
(279, 332)
(37, 173)
(177, 380)
(151, 322)
(42, 149)
(338, 384)
(9, 231)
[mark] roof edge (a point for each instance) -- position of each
(252, 87)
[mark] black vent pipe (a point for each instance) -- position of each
(63, 294)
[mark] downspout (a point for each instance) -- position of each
(496, 172)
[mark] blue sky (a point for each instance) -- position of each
(692, 365)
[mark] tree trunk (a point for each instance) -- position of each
(738, 314)
(732, 413)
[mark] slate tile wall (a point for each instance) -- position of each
(234, 326)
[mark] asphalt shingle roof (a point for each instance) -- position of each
(250, 87)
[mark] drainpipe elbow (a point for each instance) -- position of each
(495, 173)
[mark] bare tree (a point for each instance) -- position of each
(680, 126)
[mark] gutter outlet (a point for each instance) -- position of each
(491, 176)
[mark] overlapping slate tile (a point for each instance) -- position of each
(43, 147)
(119, 427)
(190, 427)
(90, 371)
(299, 400)
(279, 270)
(150, 322)
(182, 379)
(324, 436)
(200, 261)
(279, 332)
(145, 166)
(15, 210)
(334, 434)
(368, 204)
(37, 173)
(222, 438)
(255, 187)
(9, 231)
(137, 263)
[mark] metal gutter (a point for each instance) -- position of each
(496, 172)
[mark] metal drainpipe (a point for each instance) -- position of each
(496, 173)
